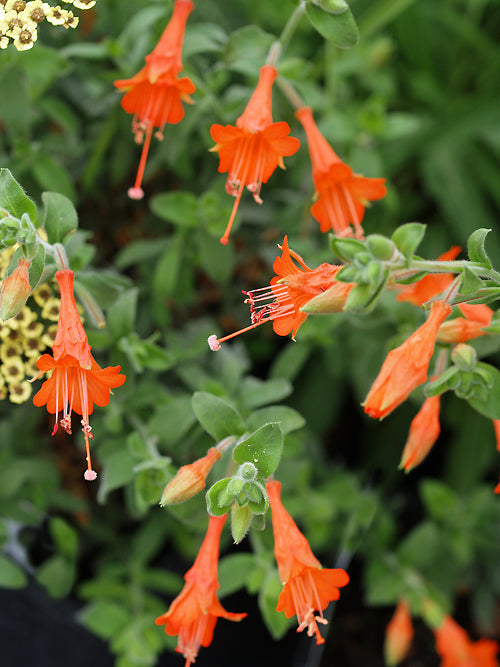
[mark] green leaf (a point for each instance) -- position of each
(12, 197)
(60, 217)
(475, 245)
(172, 419)
(234, 571)
(180, 208)
(263, 448)
(491, 406)
(11, 575)
(216, 416)
(65, 537)
(288, 418)
(118, 471)
(105, 619)
(57, 575)
(441, 502)
(52, 176)
(122, 314)
(341, 29)
(245, 47)
(37, 265)
(276, 622)
(332, 6)
(470, 282)
(408, 237)
(255, 392)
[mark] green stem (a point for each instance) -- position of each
(290, 27)
(452, 266)
(290, 93)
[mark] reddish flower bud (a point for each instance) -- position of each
(399, 635)
(424, 431)
(15, 290)
(190, 479)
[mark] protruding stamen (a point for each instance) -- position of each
(213, 343)
(225, 238)
(137, 192)
(89, 474)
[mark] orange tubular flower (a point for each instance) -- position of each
(496, 426)
(77, 381)
(457, 650)
(398, 635)
(155, 94)
(342, 196)
(405, 367)
(424, 431)
(289, 291)
(194, 612)
(307, 587)
(251, 151)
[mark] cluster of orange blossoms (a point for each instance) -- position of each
(251, 150)
(452, 642)
(307, 587)
(406, 367)
(77, 382)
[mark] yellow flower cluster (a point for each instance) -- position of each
(19, 19)
(23, 338)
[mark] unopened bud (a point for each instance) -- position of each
(398, 636)
(464, 356)
(190, 479)
(380, 247)
(15, 290)
(331, 301)
(432, 614)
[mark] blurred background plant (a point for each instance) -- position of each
(414, 102)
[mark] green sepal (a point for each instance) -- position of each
(346, 249)
(37, 265)
(408, 237)
(448, 380)
(364, 297)
(241, 518)
(263, 448)
(489, 406)
(217, 498)
(475, 247)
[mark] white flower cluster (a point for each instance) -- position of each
(19, 19)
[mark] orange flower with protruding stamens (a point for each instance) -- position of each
(307, 587)
(155, 94)
(398, 635)
(457, 650)
(194, 612)
(342, 195)
(77, 382)
(290, 290)
(251, 151)
(405, 367)
(424, 431)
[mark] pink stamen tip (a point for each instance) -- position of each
(135, 193)
(213, 343)
(224, 240)
(90, 475)
(54, 430)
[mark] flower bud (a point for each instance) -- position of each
(331, 301)
(190, 479)
(380, 247)
(399, 635)
(464, 356)
(332, 6)
(15, 290)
